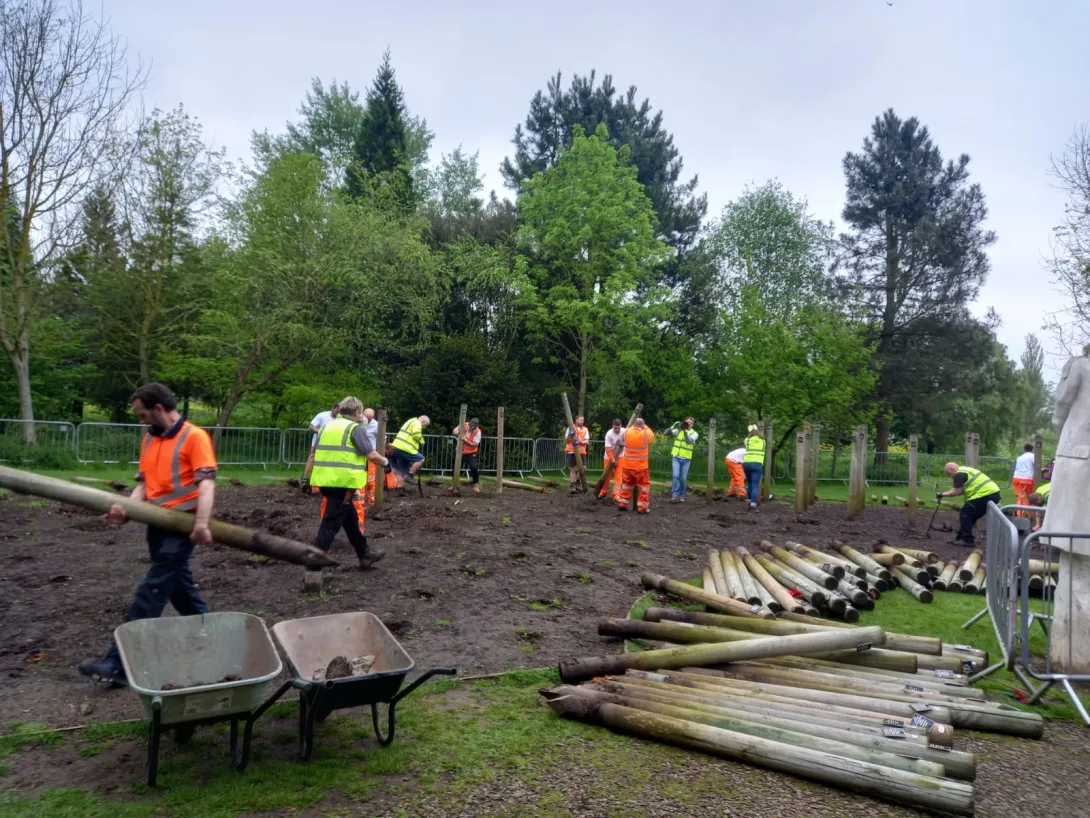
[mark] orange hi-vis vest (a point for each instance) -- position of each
(584, 438)
(468, 446)
(637, 445)
(168, 465)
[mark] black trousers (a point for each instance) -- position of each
(340, 512)
(972, 511)
(168, 580)
(469, 462)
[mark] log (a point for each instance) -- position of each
(801, 567)
(878, 582)
(871, 566)
(910, 643)
(926, 557)
(806, 551)
(769, 583)
(888, 560)
(607, 472)
(908, 558)
(818, 560)
(958, 765)
(117, 485)
(968, 568)
(920, 575)
(714, 601)
(785, 731)
(885, 499)
(752, 591)
(719, 581)
(976, 584)
(850, 592)
(910, 585)
(814, 595)
(708, 581)
(909, 788)
(730, 573)
(578, 669)
(234, 536)
(934, 569)
(1043, 567)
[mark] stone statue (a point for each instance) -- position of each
(1068, 510)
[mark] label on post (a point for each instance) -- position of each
(754, 608)
(922, 721)
(967, 667)
(913, 689)
(932, 746)
(865, 646)
(922, 708)
(892, 723)
(828, 569)
(893, 732)
(943, 673)
(964, 647)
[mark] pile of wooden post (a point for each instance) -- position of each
(753, 679)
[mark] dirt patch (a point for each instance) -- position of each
(489, 584)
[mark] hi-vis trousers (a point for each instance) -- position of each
(636, 479)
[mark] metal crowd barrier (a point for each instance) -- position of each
(246, 445)
(55, 435)
(109, 442)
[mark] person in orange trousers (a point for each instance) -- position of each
(613, 437)
(637, 472)
(1022, 477)
(737, 473)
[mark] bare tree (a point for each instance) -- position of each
(1070, 262)
(65, 92)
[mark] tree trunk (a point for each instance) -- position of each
(881, 439)
(224, 417)
(20, 362)
(583, 343)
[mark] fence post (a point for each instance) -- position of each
(857, 485)
(711, 458)
(380, 444)
(815, 451)
(1038, 460)
(802, 491)
(766, 477)
(972, 449)
(913, 472)
(499, 451)
(456, 478)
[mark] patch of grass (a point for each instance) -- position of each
(24, 734)
(545, 604)
(586, 578)
(443, 623)
(608, 563)
(638, 543)
(507, 521)
(257, 559)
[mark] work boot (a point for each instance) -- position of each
(103, 670)
(476, 488)
(410, 480)
(312, 581)
(752, 506)
(368, 559)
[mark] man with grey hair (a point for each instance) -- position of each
(340, 471)
(407, 457)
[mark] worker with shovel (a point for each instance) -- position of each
(407, 457)
(978, 490)
(340, 470)
(178, 471)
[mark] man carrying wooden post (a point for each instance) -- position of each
(577, 435)
(614, 437)
(471, 444)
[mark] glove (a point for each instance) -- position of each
(387, 468)
(939, 495)
(304, 486)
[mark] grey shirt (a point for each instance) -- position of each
(361, 440)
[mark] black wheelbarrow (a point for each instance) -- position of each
(311, 644)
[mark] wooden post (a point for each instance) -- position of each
(607, 472)
(580, 466)
(1038, 460)
(380, 444)
(972, 449)
(913, 472)
(801, 490)
(711, 459)
(499, 450)
(766, 477)
(456, 478)
(857, 484)
(815, 450)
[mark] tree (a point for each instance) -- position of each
(381, 148)
(1070, 262)
(65, 92)
(548, 131)
(588, 229)
(1034, 397)
(917, 247)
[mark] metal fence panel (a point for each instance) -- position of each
(246, 445)
(53, 436)
(295, 446)
(109, 442)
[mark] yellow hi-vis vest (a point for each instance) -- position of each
(410, 438)
(755, 450)
(977, 484)
(682, 448)
(337, 463)
(1043, 490)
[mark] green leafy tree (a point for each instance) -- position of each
(1034, 396)
(916, 254)
(587, 228)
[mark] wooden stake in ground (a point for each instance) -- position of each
(766, 476)
(580, 466)
(380, 444)
(857, 481)
(802, 493)
(456, 478)
(499, 450)
(235, 536)
(711, 460)
(720, 653)
(607, 472)
(812, 471)
(913, 472)
(1038, 444)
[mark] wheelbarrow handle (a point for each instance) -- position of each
(423, 677)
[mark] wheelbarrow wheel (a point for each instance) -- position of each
(384, 737)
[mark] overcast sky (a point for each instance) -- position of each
(751, 89)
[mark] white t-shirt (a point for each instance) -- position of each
(1023, 466)
(737, 455)
(320, 421)
(371, 430)
(613, 438)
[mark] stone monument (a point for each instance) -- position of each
(1068, 510)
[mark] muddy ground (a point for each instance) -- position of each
(485, 583)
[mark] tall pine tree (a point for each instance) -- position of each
(916, 255)
(380, 152)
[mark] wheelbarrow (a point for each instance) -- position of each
(194, 670)
(311, 644)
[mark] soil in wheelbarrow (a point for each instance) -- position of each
(482, 583)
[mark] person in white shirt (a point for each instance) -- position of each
(614, 436)
(737, 472)
(1022, 478)
(316, 425)
(370, 431)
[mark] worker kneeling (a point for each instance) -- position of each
(636, 474)
(407, 457)
(340, 471)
